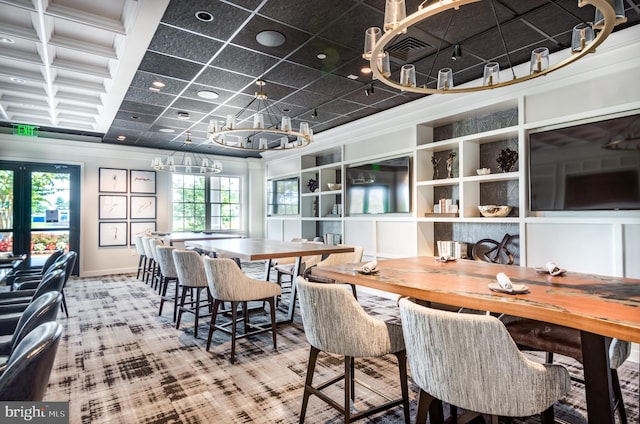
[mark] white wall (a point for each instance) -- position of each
(90, 157)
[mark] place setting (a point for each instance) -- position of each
(504, 285)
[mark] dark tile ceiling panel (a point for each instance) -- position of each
(183, 44)
(224, 56)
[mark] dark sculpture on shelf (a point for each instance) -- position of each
(507, 159)
(435, 163)
(450, 164)
(312, 185)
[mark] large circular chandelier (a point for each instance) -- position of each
(585, 38)
(268, 132)
(186, 162)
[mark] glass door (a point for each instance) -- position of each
(40, 209)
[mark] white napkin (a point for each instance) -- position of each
(369, 267)
(504, 281)
(553, 268)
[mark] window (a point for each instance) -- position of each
(202, 203)
(282, 198)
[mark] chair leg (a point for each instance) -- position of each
(175, 300)
(272, 311)
(617, 392)
(234, 322)
(140, 266)
(402, 367)
(66, 313)
(212, 325)
(311, 367)
(197, 313)
(181, 305)
(348, 387)
(428, 405)
(547, 416)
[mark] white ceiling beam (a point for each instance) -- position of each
(85, 18)
(92, 87)
(81, 68)
(83, 46)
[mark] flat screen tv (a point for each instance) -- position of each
(594, 166)
(379, 187)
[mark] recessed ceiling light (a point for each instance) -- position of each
(5, 39)
(365, 70)
(121, 138)
(16, 79)
(158, 84)
(321, 56)
(135, 117)
(154, 89)
(209, 95)
(183, 116)
(270, 38)
(204, 16)
(167, 130)
(352, 77)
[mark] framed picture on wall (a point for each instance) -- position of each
(112, 234)
(112, 207)
(143, 207)
(112, 180)
(139, 229)
(142, 181)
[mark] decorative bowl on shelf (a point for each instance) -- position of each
(483, 171)
(494, 211)
(334, 186)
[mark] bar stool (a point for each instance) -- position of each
(142, 257)
(335, 323)
(192, 277)
(470, 361)
(168, 274)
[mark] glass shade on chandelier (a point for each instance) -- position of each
(582, 35)
(182, 162)
(266, 133)
(585, 38)
(539, 60)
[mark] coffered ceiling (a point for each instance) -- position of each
(89, 66)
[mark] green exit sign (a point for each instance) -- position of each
(26, 130)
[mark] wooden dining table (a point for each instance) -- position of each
(250, 249)
(600, 307)
(184, 236)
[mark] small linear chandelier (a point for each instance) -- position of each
(268, 131)
(608, 14)
(186, 162)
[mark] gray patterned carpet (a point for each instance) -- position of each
(120, 362)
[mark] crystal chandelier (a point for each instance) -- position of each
(185, 162)
(586, 37)
(268, 132)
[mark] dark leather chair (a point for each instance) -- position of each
(41, 310)
(27, 374)
(68, 262)
(17, 301)
(35, 272)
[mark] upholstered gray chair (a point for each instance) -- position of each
(335, 323)
(470, 361)
(337, 259)
(154, 243)
(551, 338)
(227, 283)
(27, 374)
(190, 270)
(150, 270)
(167, 275)
(142, 257)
